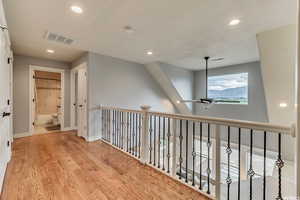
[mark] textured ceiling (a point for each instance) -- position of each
(178, 32)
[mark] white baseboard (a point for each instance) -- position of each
(20, 135)
(93, 138)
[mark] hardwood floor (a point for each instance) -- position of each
(61, 166)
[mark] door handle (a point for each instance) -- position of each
(80, 106)
(5, 114)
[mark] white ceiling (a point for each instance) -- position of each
(178, 32)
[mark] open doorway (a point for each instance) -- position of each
(79, 100)
(47, 97)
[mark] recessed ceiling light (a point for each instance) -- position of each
(178, 102)
(234, 22)
(149, 53)
(128, 29)
(50, 51)
(283, 105)
(76, 9)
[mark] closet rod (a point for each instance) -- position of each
(53, 79)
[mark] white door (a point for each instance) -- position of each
(4, 105)
(82, 103)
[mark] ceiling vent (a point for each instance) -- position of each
(58, 38)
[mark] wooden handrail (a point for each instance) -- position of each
(259, 126)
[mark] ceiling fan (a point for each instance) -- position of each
(207, 102)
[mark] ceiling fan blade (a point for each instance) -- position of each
(227, 101)
(190, 101)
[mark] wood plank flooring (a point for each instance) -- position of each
(61, 166)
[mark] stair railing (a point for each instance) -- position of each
(189, 149)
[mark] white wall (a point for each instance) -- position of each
(21, 89)
(278, 63)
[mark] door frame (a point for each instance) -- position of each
(33, 68)
(72, 86)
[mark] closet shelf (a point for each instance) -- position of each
(47, 88)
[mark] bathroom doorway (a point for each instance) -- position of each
(47, 97)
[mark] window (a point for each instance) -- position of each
(230, 88)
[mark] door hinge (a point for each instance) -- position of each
(8, 102)
(32, 123)
(33, 100)
(8, 60)
(8, 143)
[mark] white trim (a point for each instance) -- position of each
(31, 94)
(94, 138)
(20, 135)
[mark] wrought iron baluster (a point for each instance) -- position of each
(150, 140)
(228, 151)
(140, 132)
(102, 124)
(180, 150)
(168, 155)
(239, 167)
(122, 130)
(130, 132)
(265, 156)
(164, 137)
(109, 125)
(118, 125)
(154, 142)
(186, 150)
(113, 122)
(127, 132)
(251, 172)
(208, 159)
(193, 154)
(280, 165)
(200, 170)
(117, 128)
(116, 137)
(158, 159)
(133, 133)
(105, 124)
(136, 134)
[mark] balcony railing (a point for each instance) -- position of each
(189, 149)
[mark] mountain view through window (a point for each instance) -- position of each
(229, 87)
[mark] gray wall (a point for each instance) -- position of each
(255, 110)
(182, 80)
(116, 82)
(21, 89)
(119, 83)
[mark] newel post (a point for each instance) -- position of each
(145, 128)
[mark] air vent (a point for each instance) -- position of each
(58, 38)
